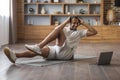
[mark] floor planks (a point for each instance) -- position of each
(76, 70)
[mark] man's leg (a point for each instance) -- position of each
(37, 48)
(29, 54)
(52, 36)
(12, 56)
(45, 50)
(61, 39)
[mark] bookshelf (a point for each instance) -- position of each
(90, 11)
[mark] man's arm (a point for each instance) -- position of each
(91, 31)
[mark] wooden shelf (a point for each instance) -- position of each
(37, 14)
(63, 3)
(62, 14)
(52, 7)
(29, 3)
(95, 3)
(75, 14)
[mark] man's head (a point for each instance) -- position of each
(74, 22)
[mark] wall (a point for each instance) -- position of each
(33, 34)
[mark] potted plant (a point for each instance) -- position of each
(80, 1)
(82, 11)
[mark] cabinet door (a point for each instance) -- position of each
(118, 33)
(109, 33)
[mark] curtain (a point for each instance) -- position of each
(7, 22)
(4, 22)
(12, 21)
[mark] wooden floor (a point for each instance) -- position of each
(78, 70)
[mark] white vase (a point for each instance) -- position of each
(56, 1)
(29, 1)
(96, 23)
(43, 10)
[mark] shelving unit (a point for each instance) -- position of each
(57, 11)
(38, 31)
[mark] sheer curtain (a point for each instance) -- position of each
(4, 22)
(7, 22)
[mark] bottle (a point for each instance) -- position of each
(29, 1)
(66, 9)
(43, 10)
(73, 12)
(89, 22)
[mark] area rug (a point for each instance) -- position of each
(42, 62)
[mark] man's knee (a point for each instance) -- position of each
(45, 51)
(59, 29)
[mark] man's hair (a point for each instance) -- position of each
(72, 17)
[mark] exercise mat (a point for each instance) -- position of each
(43, 62)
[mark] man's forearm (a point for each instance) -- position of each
(90, 28)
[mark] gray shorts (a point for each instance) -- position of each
(57, 52)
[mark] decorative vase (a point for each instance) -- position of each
(56, 1)
(82, 11)
(29, 1)
(43, 10)
(110, 16)
(45, 1)
(31, 10)
(95, 1)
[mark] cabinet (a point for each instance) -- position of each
(91, 11)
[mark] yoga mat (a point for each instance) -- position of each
(43, 62)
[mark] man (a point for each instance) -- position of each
(67, 39)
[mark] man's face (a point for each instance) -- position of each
(74, 24)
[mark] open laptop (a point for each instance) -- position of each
(105, 58)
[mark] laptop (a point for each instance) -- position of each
(105, 58)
